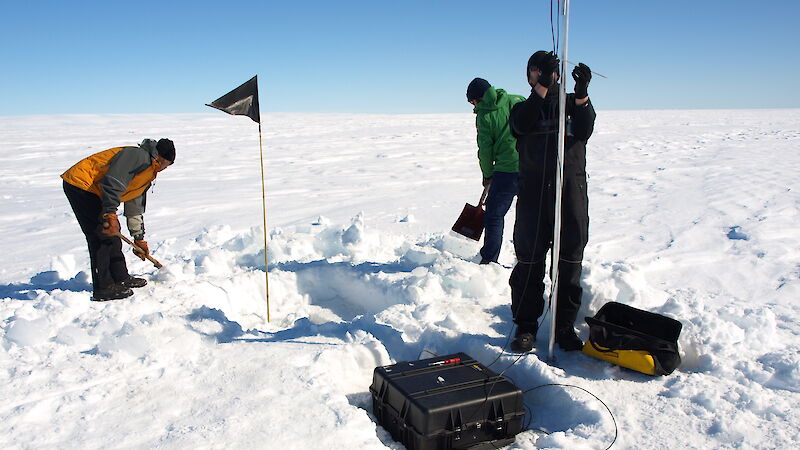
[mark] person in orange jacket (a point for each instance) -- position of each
(95, 187)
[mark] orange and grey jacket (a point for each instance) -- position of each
(118, 175)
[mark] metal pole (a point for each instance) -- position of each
(264, 214)
(562, 126)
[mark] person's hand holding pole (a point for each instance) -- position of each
(135, 248)
(143, 251)
(549, 66)
(109, 225)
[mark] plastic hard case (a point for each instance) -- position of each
(447, 402)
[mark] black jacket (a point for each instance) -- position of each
(534, 123)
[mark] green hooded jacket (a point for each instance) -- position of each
(497, 148)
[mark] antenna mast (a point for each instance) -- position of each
(562, 126)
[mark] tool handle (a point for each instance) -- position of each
(484, 195)
(147, 255)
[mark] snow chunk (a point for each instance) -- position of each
(74, 336)
(784, 367)
(354, 234)
(421, 256)
(25, 332)
(457, 245)
(128, 341)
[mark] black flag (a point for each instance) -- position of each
(242, 101)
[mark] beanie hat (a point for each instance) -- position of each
(166, 149)
(477, 88)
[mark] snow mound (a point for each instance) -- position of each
(364, 299)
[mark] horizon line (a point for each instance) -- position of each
(384, 113)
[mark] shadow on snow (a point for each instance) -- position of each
(48, 282)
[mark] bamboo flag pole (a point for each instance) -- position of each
(243, 101)
(264, 214)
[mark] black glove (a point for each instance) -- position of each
(487, 182)
(548, 65)
(582, 76)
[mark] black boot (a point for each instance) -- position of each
(524, 338)
(569, 302)
(133, 282)
(567, 339)
(113, 292)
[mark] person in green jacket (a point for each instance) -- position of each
(498, 158)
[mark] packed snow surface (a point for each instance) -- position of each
(694, 215)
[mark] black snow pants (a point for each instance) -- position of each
(105, 253)
(533, 237)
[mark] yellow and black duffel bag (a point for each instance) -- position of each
(633, 338)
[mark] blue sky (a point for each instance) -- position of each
(387, 57)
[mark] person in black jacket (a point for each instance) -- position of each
(534, 123)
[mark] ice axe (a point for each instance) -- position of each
(136, 247)
(470, 222)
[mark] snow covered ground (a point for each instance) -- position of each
(694, 214)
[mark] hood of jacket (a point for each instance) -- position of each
(493, 99)
(150, 146)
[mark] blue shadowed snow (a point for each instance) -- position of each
(735, 233)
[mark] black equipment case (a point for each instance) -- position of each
(446, 402)
(634, 338)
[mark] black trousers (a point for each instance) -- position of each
(105, 253)
(533, 237)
